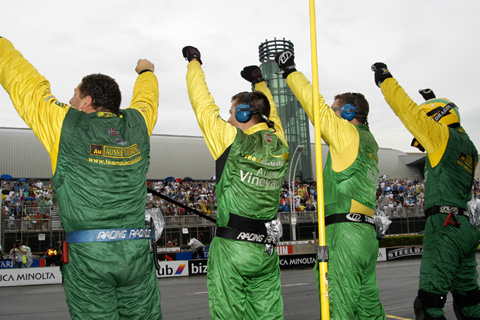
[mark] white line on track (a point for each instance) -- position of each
(294, 284)
(201, 292)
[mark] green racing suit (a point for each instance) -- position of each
(449, 251)
(243, 280)
(350, 183)
(99, 163)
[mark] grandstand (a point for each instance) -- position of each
(174, 158)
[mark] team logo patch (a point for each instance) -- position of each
(355, 217)
(268, 137)
(113, 132)
(114, 152)
(103, 114)
(61, 104)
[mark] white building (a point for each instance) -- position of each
(23, 156)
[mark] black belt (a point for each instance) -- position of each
(445, 209)
(244, 236)
(245, 229)
(349, 217)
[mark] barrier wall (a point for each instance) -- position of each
(30, 276)
(176, 268)
(8, 264)
(175, 263)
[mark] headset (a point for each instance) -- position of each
(349, 111)
(244, 112)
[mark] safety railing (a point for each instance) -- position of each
(187, 221)
(26, 225)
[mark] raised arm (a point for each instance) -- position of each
(431, 135)
(218, 134)
(31, 96)
(145, 93)
(338, 133)
(253, 74)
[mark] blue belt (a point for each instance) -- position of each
(104, 235)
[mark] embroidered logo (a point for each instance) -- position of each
(355, 217)
(113, 132)
(60, 104)
(268, 137)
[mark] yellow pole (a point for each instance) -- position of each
(322, 247)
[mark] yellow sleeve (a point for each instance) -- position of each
(341, 136)
(31, 97)
(433, 136)
(145, 98)
(218, 133)
(262, 86)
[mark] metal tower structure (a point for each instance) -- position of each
(294, 119)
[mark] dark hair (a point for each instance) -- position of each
(258, 101)
(103, 90)
(359, 102)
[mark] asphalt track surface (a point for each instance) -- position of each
(186, 298)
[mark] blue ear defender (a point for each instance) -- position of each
(243, 111)
(349, 110)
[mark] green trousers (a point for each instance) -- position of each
(352, 279)
(449, 260)
(111, 280)
(243, 281)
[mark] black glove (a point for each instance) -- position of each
(286, 63)
(417, 144)
(252, 74)
(427, 94)
(190, 52)
(381, 72)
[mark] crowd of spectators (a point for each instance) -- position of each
(392, 195)
(27, 199)
(197, 194)
(31, 199)
(395, 193)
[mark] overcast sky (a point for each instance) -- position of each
(428, 43)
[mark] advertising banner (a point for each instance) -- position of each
(8, 264)
(284, 249)
(382, 254)
(30, 276)
(188, 255)
(173, 269)
(297, 261)
(404, 252)
(197, 267)
(167, 256)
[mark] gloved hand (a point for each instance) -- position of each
(417, 144)
(286, 63)
(190, 52)
(381, 72)
(252, 74)
(427, 94)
